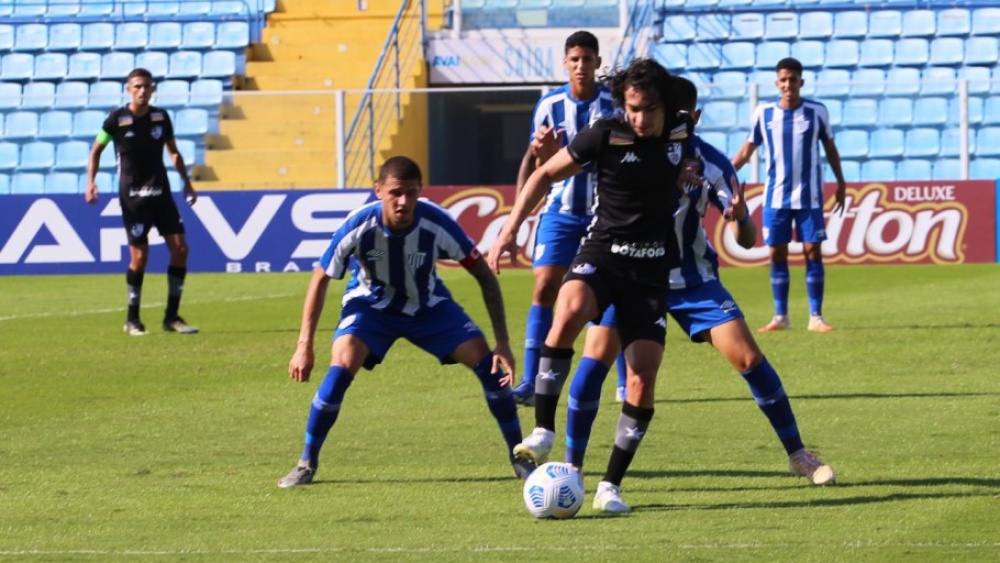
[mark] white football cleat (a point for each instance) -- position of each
(804, 463)
(779, 322)
(818, 324)
(608, 498)
(536, 446)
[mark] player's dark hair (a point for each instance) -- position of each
(790, 64)
(139, 73)
(687, 93)
(644, 75)
(584, 39)
(400, 168)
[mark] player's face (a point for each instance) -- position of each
(399, 200)
(644, 112)
(789, 84)
(581, 63)
(141, 89)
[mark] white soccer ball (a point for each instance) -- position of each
(554, 490)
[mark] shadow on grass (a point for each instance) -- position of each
(810, 503)
(838, 396)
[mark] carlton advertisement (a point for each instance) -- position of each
(286, 231)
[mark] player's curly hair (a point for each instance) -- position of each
(644, 75)
(401, 168)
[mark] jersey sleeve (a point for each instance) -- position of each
(586, 145)
(823, 117)
(450, 238)
(336, 261)
(108, 129)
(757, 127)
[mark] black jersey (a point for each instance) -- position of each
(139, 149)
(636, 194)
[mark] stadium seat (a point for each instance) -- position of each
(700, 56)
(715, 138)
(38, 95)
(701, 3)
(116, 65)
(171, 93)
(937, 82)
(131, 36)
(949, 51)
(188, 152)
(98, 37)
(105, 95)
(206, 93)
(747, 27)
(850, 168)
(219, 64)
(991, 112)
(977, 111)
(713, 27)
(37, 155)
(228, 7)
(809, 84)
(198, 35)
(729, 84)
(913, 170)
(868, 82)
(185, 64)
(781, 26)
(10, 95)
(96, 7)
(165, 35)
(770, 52)
(912, 52)
(174, 179)
(947, 169)
(734, 142)
(919, 23)
(4, 184)
(895, 112)
(842, 53)
(984, 168)
(834, 111)
(951, 142)
(848, 25)
(156, 62)
(809, 53)
(84, 66)
(162, 8)
(860, 112)
(6, 38)
(834, 82)
(133, 8)
(876, 52)
(816, 25)
(930, 111)
(886, 143)
(9, 155)
(29, 8)
(702, 82)
(72, 155)
(902, 82)
(26, 183)
(978, 79)
(737, 54)
(109, 159)
(17, 66)
(88, 123)
(71, 94)
(31, 37)
(876, 170)
(194, 8)
(232, 35)
(65, 37)
(50, 66)
(105, 182)
(953, 22)
(764, 79)
(673, 56)
(62, 183)
(922, 142)
(852, 143)
(719, 115)
(193, 121)
(62, 8)
(679, 28)
(55, 124)
(981, 51)
(986, 21)
(21, 125)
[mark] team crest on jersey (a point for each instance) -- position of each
(156, 116)
(416, 259)
(674, 153)
(157, 132)
(620, 139)
(137, 229)
(124, 120)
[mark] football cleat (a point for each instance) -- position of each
(620, 394)
(135, 328)
(536, 446)
(818, 324)
(524, 394)
(804, 463)
(779, 322)
(178, 325)
(523, 467)
(302, 475)
(608, 498)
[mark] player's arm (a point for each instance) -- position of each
(740, 222)
(743, 155)
(93, 163)
(543, 146)
(833, 157)
(302, 362)
(493, 298)
(178, 161)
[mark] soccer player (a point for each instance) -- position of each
(567, 211)
(703, 308)
(625, 259)
(394, 292)
(791, 129)
(140, 132)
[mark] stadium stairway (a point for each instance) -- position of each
(310, 47)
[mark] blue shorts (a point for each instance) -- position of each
(438, 330)
(558, 239)
(809, 225)
(695, 309)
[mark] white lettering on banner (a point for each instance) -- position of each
(291, 267)
(924, 193)
(529, 62)
(236, 245)
(44, 213)
(304, 212)
(233, 267)
(484, 206)
(262, 267)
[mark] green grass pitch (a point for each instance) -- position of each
(168, 447)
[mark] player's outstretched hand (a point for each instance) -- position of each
(503, 363)
(90, 196)
(841, 197)
(189, 194)
(301, 365)
(737, 210)
(546, 143)
(504, 243)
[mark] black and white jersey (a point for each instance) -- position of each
(139, 144)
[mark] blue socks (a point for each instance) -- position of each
(538, 325)
(324, 411)
(500, 401)
(815, 278)
(765, 385)
(779, 287)
(622, 370)
(584, 399)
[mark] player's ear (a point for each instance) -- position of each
(378, 190)
(696, 116)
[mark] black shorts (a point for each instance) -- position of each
(636, 287)
(161, 213)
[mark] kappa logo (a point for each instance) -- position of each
(630, 157)
(129, 134)
(584, 269)
(661, 322)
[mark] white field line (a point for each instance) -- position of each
(153, 305)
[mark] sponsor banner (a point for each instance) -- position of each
(249, 231)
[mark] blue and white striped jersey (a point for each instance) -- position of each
(575, 195)
(794, 167)
(699, 262)
(397, 273)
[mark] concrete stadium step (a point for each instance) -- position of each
(290, 107)
(246, 127)
(340, 67)
(211, 182)
(319, 53)
(272, 159)
(292, 140)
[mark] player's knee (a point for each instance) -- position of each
(546, 289)
(180, 252)
(747, 360)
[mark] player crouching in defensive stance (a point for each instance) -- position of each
(394, 292)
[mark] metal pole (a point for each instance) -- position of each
(963, 127)
(338, 97)
(755, 157)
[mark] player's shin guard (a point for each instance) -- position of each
(779, 287)
(175, 285)
(767, 390)
(324, 411)
(537, 328)
(584, 400)
(815, 280)
(133, 280)
(553, 369)
(632, 425)
(500, 401)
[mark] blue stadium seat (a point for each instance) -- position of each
(852, 143)
(185, 64)
(913, 170)
(734, 142)
(227, 7)
(96, 7)
(72, 155)
(673, 56)
(55, 124)
(842, 53)
(948, 51)
(809, 53)
(951, 142)
(156, 62)
(876, 170)
(748, 26)
(71, 94)
(765, 84)
(902, 82)
(17, 66)
(109, 159)
(193, 7)
(701, 3)
(198, 35)
(719, 115)
(912, 52)
(984, 168)
(860, 112)
(770, 52)
(679, 28)
(895, 112)
(62, 8)
(206, 93)
(850, 24)
(62, 183)
(978, 78)
(98, 36)
(9, 155)
(194, 121)
(885, 23)
(174, 180)
(737, 54)
(105, 95)
(88, 123)
(937, 81)
(953, 22)
(84, 66)
(876, 52)
(188, 152)
(986, 21)
(977, 111)
(50, 66)
(947, 169)
(31, 37)
(38, 95)
(991, 113)
(4, 184)
(868, 82)
(105, 181)
(716, 139)
(729, 84)
(922, 142)
(29, 8)
(713, 27)
(930, 111)
(37, 155)
(886, 143)
(700, 56)
(919, 23)
(219, 64)
(781, 26)
(232, 35)
(131, 36)
(27, 184)
(21, 125)
(850, 168)
(981, 51)
(834, 82)
(165, 35)
(116, 65)
(171, 93)
(65, 37)
(809, 84)
(702, 82)
(10, 95)
(834, 111)
(816, 25)
(6, 37)
(162, 8)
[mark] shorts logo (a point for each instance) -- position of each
(347, 321)
(674, 153)
(728, 306)
(137, 230)
(584, 269)
(639, 250)
(157, 132)
(417, 259)
(821, 233)
(471, 327)
(539, 250)
(630, 158)
(661, 322)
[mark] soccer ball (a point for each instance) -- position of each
(554, 490)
